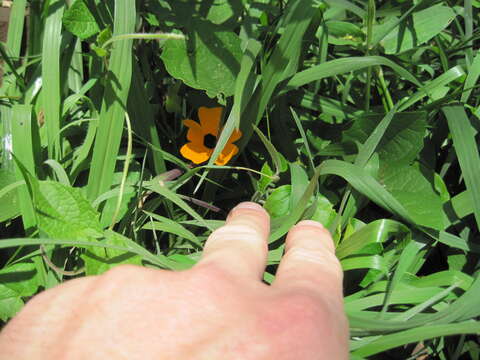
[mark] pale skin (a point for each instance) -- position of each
(219, 309)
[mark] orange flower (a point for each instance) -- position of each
(203, 138)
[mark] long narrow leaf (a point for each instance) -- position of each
(110, 127)
(463, 134)
(51, 76)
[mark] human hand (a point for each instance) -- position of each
(219, 309)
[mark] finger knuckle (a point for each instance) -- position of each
(234, 232)
(321, 257)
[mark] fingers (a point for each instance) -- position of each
(310, 263)
(240, 246)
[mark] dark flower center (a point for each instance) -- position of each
(209, 141)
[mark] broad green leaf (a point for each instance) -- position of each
(222, 11)
(209, 59)
(21, 277)
(63, 212)
(264, 181)
(402, 140)
(128, 198)
(324, 212)
(285, 223)
(10, 302)
(416, 30)
(16, 281)
(363, 182)
(79, 20)
(98, 260)
(409, 186)
(299, 183)
(278, 203)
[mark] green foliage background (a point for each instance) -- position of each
(360, 114)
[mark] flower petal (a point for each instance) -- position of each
(237, 134)
(228, 152)
(196, 153)
(195, 132)
(210, 119)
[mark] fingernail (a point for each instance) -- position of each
(245, 205)
(248, 205)
(319, 226)
(311, 223)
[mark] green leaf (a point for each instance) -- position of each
(401, 142)
(278, 203)
(209, 59)
(418, 334)
(10, 303)
(343, 33)
(79, 20)
(129, 195)
(463, 134)
(363, 182)
(409, 186)
(9, 206)
(112, 115)
(16, 281)
(417, 29)
(170, 226)
(104, 36)
(364, 239)
(221, 11)
(21, 278)
(324, 212)
(264, 181)
(63, 212)
(24, 149)
(98, 260)
(345, 65)
(164, 191)
(299, 181)
(51, 82)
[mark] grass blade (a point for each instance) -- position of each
(51, 93)
(110, 127)
(23, 148)
(463, 135)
